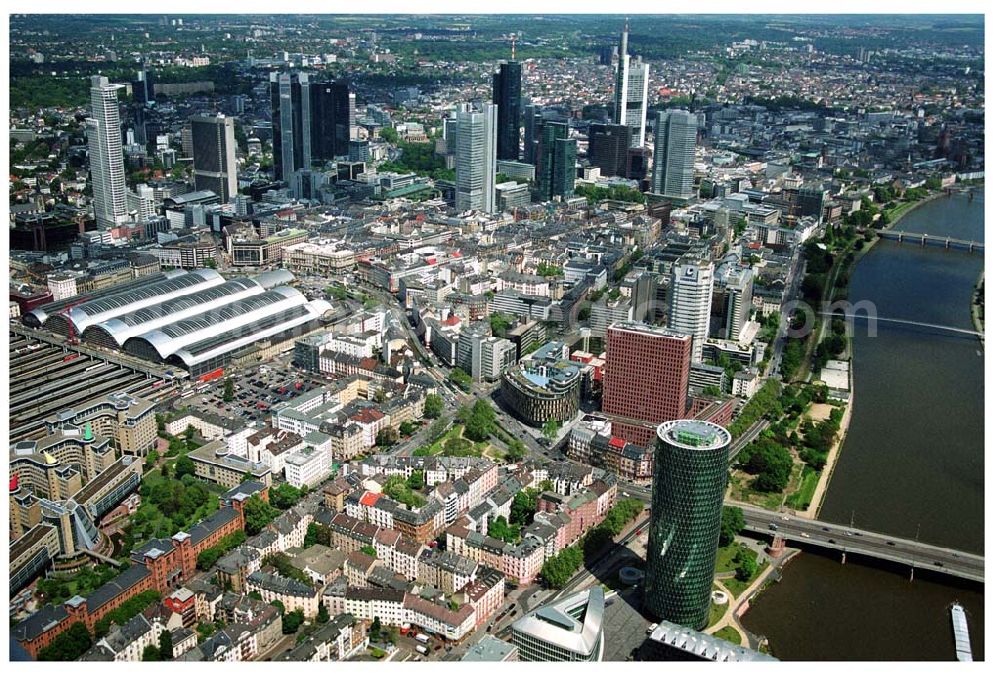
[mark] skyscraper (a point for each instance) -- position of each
(142, 88)
(214, 141)
(608, 147)
(290, 124)
(689, 482)
(104, 145)
(673, 153)
(475, 157)
(631, 91)
(555, 165)
(691, 302)
(645, 379)
(331, 116)
(737, 284)
(532, 125)
(507, 99)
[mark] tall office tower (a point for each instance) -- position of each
(608, 148)
(691, 302)
(214, 141)
(104, 145)
(507, 99)
(631, 91)
(555, 166)
(475, 157)
(450, 126)
(645, 379)
(332, 117)
(142, 88)
(290, 124)
(673, 153)
(570, 629)
(689, 482)
(737, 286)
(532, 125)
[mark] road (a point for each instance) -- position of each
(792, 287)
(874, 544)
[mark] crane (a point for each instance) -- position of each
(72, 339)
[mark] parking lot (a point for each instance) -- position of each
(255, 391)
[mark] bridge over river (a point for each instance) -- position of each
(913, 554)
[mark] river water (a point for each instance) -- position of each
(912, 464)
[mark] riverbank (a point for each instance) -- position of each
(897, 213)
(978, 310)
(816, 503)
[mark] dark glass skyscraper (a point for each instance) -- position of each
(532, 125)
(331, 116)
(689, 484)
(555, 168)
(608, 148)
(507, 99)
(291, 125)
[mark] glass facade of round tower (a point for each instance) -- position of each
(689, 484)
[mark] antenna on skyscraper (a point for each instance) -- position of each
(513, 39)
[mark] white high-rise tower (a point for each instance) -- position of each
(691, 302)
(631, 91)
(475, 157)
(107, 165)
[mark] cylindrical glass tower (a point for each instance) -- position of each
(689, 484)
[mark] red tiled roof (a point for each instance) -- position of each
(369, 499)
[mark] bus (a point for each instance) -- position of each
(422, 638)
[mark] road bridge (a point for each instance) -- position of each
(846, 539)
(925, 239)
(905, 322)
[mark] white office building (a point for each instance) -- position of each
(631, 92)
(475, 157)
(691, 302)
(104, 144)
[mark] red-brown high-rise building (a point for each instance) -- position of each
(645, 379)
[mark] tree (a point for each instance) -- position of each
(323, 615)
(732, 524)
(184, 467)
(771, 463)
(479, 423)
(515, 451)
(228, 390)
(386, 437)
(416, 480)
(499, 529)
(433, 406)
(257, 514)
(152, 458)
(291, 621)
(407, 428)
(284, 496)
(68, 645)
(389, 135)
(166, 646)
(376, 627)
(551, 428)
(522, 510)
(746, 564)
(368, 549)
(461, 378)
(151, 653)
(279, 605)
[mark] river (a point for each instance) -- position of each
(912, 464)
